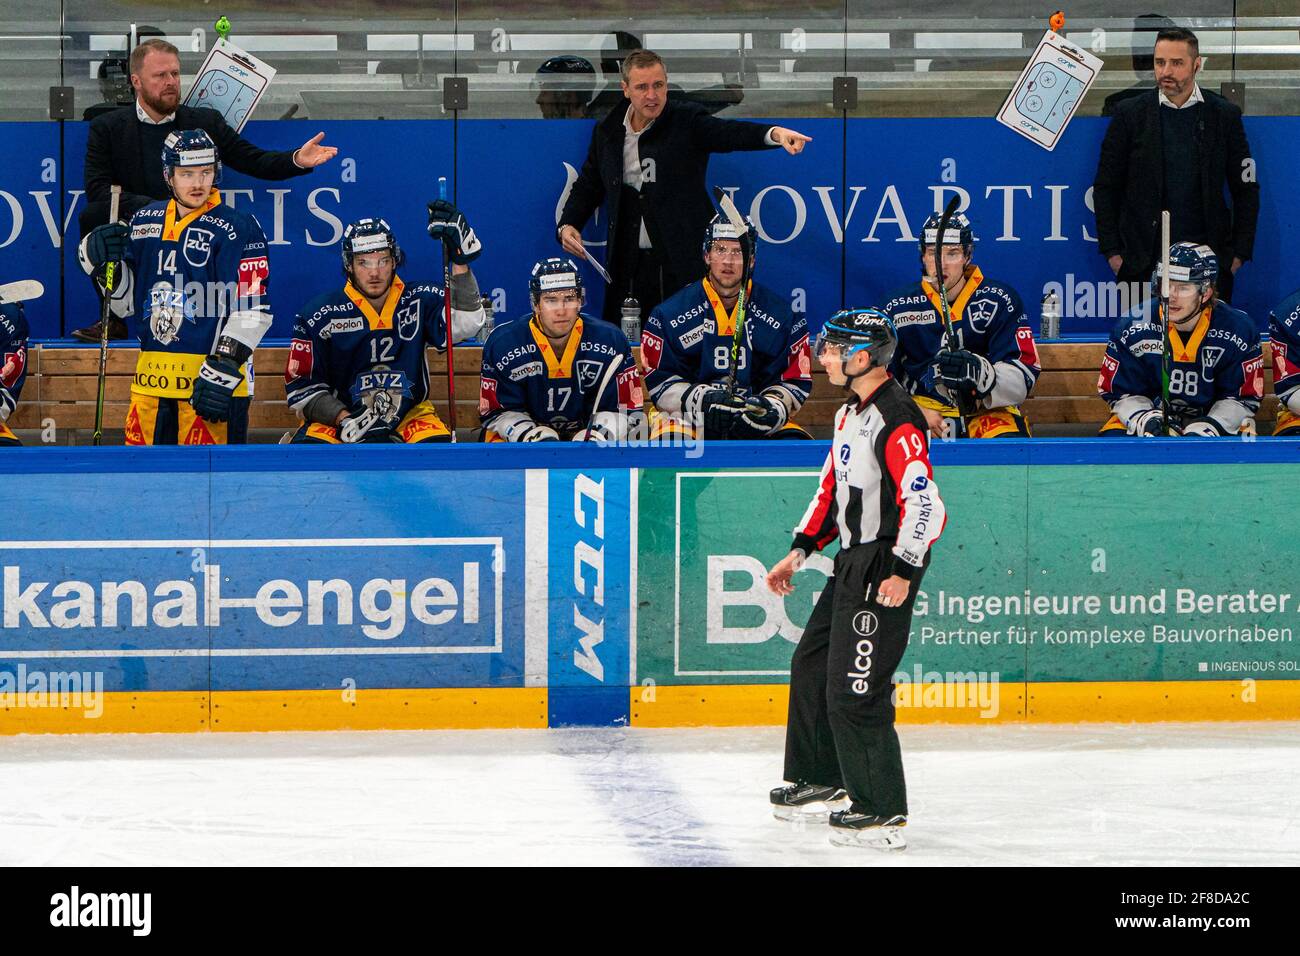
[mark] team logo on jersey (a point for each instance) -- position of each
(865, 623)
(1210, 356)
(198, 246)
(166, 313)
(980, 314)
(408, 321)
(253, 274)
(589, 373)
(300, 360)
(652, 349)
(15, 362)
(382, 390)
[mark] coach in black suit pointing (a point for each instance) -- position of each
(125, 146)
(646, 167)
(1177, 147)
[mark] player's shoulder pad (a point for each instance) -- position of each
(906, 296)
(1000, 290)
(13, 319)
(1287, 313)
(682, 301)
(321, 310)
(1234, 327)
(1137, 325)
(423, 288)
(771, 309)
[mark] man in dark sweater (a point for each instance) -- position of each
(646, 167)
(125, 147)
(1177, 148)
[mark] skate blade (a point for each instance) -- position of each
(819, 812)
(876, 838)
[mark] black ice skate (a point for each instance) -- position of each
(809, 802)
(850, 828)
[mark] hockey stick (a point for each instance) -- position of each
(951, 342)
(728, 207)
(451, 354)
(105, 308)
(1166, 347)
(21, 291)
(600, 393)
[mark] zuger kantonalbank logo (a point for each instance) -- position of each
(441, 592)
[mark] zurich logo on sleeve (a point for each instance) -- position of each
(844, 454)
(920, 483)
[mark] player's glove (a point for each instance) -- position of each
(1147, 424)
(540, 433)
(719, 411)
(447, 225)
(1204, 428)
(107, 243)
(963, 372)
(763, 416)
(214, 388)
(594, 432)
(366, 426)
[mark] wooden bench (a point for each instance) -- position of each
(61, 385)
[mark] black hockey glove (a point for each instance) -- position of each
(964, 372)
(365, 426)
(719, 411)
(447, 225)
(761, 418)
(214, 388)
(107, 243)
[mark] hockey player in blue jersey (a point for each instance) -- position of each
(1284, 334)
(557, 374)
(356, 369)
(686, 349)
(13, 365)
(195, 280)
(995, 366)
(1216, 368)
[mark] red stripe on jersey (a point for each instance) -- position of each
(300, 361)
(629, 389)
(821, 506)
(1028, 347)
(15, 362)
(1106, 380)
(652, 349)
(1252, 370)
(800, 364)
(905, 445)
(487, 396)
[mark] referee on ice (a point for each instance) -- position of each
(876, 495)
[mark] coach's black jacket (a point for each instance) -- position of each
(115, 153)
(1129, 187)
(676, 203)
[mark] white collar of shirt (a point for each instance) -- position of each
(1192, 100)
(632, 172)
(146, 118)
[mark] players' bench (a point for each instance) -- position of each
(61, 388)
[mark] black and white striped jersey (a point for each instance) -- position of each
(877, 483)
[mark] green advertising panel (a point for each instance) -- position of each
(1057, 573)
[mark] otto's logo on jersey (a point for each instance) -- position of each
(589, 373)
(198, 246)
(408, 321)
(300, 360)
(629, 389)
(15, 362)
(800, 364)
(1106, 380)
(1283, 367)
(1252, 371)
(1028, 348)
(487, 396)
(652, 349)
(253, 274)
(980, 313)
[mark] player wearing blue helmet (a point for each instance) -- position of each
(1212, 352)
(1284, 342)
(196, 283)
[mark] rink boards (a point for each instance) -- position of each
(267, 588)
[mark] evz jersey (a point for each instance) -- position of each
(525, 383)
(367, 359)
(687, 341)
(13, 356)
(989, 320)
(1216, 369)
(1284, 331)
(189, 275)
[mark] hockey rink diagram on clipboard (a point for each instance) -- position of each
(1049, 90)
(231, 81)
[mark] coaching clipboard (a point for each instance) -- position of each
(231, 81)
(1049, 90)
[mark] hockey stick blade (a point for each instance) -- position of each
(21, 291)
(728, 207)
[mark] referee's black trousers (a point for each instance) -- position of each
(841, 725)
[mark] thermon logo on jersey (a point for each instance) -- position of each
(185, 588)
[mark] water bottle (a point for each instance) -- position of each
(1051, 325)
(631, 317)
(487, 322)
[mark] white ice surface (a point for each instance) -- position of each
(1083, 794)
